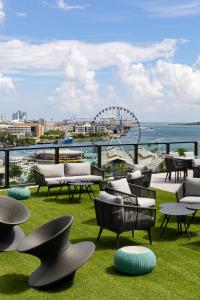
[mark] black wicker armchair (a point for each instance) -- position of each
(122, 218)
(189, 191)
(137, 193)
(143, 180)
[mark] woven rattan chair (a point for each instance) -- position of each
(175, 165)
(122, 218)
(143, 180)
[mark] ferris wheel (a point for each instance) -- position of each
(118, 121)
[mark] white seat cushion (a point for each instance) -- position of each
(92, 178)
(134, 175)
(77, 169)
(54, 180)
(192, 187)
(141, 168)
(196, 162)
(190, 199)
(104, 196)
(120, 185)
(50, 171)
(146, 202)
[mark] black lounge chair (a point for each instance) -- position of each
(59, 258)
(12, 213)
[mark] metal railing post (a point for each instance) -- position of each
(7, 163)
(57, 155)
(195, 148)
(167, 148)
(99, 156)
(136, 154)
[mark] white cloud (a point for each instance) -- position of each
(17, 55)
(79, 91)
(68, 7)
(2, 12)
(173, 9)
(6, 85)
(165, 82)
(145, 73)
(21, 14)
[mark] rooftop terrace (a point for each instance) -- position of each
(176, 275)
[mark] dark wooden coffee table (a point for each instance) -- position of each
(180, 211)
(81, 185)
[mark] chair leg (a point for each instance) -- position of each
(100, 232)
(117, 241)
(38, 190)
(149, 234)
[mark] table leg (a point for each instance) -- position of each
(167, 217)
(89, 191)
(191, 219)
(59, 191)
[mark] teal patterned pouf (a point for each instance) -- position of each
(19, 193)
(134, 260)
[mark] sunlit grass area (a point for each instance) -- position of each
(176, 275)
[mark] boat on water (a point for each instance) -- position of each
(66, 140)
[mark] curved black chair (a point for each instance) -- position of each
(12, 213)
(59, 258)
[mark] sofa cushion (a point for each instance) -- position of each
(133, 175)
(120, 185)
(190, 199)
(142, 168)
(55, 180)
(104, 196)
(146, 202)
(196, 162)
(53, 170)
(192, 187)
(91, 178)
(77, 169)
(189, 154)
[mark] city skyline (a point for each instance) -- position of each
(59, 58)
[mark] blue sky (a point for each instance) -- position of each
(59, 57)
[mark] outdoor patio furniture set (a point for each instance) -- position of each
(125, 205)
(178, 164)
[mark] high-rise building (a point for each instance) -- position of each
(19, 115)
(3, 118)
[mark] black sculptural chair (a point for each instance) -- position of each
(12, 213)
(59, 258)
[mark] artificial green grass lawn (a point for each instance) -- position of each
(176, 275)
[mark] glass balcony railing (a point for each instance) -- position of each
(16, 164)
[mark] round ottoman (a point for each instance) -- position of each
(134, 260)
(19, 193)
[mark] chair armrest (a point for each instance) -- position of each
(39, 178)
(196, 171)
(136, 181)
(97, 171)
(147, 178)
(141, 191)
(119, 174)
(180, 192)
(119, 193)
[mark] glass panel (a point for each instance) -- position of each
(22, 162)
(152, 155)
(183, 148)
(2, 168)
(116, 158)
(78, 154)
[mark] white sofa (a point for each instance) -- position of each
(53, 175)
